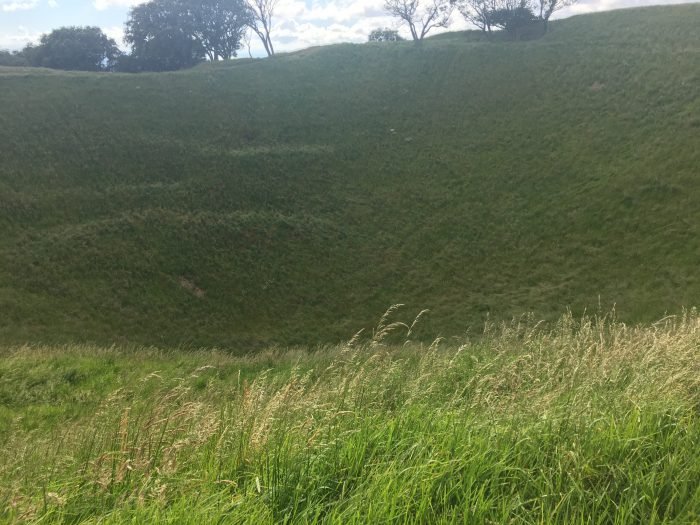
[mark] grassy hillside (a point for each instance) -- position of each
(590, 422)
(291, 200)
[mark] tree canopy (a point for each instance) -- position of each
(74, 48)
(12, 58)
(219, 25)
(175, 34)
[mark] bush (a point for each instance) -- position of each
(520, 23)
(384, 35)
(12, 58)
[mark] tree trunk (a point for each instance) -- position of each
(414, 33)
(266, 41)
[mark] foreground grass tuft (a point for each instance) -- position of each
(586, 421)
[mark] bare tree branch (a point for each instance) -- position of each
(262, 12)
(548, 7)
(482, 13)
(421, 19)
(478, 12)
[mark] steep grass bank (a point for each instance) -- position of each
(589, 421)
(291, 200)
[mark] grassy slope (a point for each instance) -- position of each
(591, 422)
(520, 176)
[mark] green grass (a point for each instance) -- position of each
(586, 421)
(166, 240)
(263, 202)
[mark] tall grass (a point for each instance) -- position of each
(588, 421)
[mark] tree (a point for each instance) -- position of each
(161, 35)
(421, 19)
(219, 25)
(262, 12)
(74, 48)
(175, 34)
(12, 58)
(517, 17)
(384, 35)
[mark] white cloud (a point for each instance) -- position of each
(101, 5)
(53, 3)
(18, 39)
(298, 24)
(10, 6)
(117, 33)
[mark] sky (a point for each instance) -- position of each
(298, 24)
